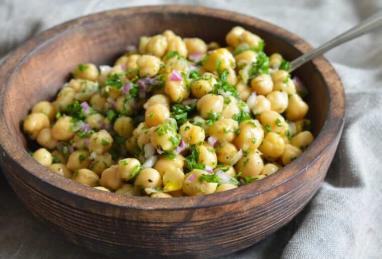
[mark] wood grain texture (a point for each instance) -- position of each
(194, 227)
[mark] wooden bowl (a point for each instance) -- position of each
(203, 226)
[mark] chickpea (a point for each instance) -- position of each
(43, 157)
(192, 134)
(280, 76)
(169, 34)
(143, 135)
(176, 90)
(245, 57)
(164, 164)
(231, 77)
(46, 108)
(34, 123)
(251, 39)
(58, 157)
(275, 60)
(225, 187)
(173, 179)
(100, 142)
(84, 89)
(223, 129)
(262, 84)
(156, 114)
(160, 195)
(231, 107)
(61, 169)
(201, 87)
(86, 71)
(148, 65)
(250, 135)
(95, 120)
(250, 165)
(101, 188)
(157, 46)
(148, 178)
(46, 139)
(243, 90)
(278, 100)
(79, 142)
(123, 106)
(100, 163)
(297, 108)
(207, 155)
(194, 186)
(176, 63)
(128, 190)
(143, 41)
(290, 153)
(111, 178)
(286, 86)
(128, 168)
(273, 121)
(77, 160)
(273, 146)
(97, 101)
(226, 153)
(195, 46)
(302, 139)
(64, 98)
(177, 44)
(262, 104)
(228, 170)
(86, 177)
(63, 128)
(219, 60)
(132, 65)
(269, 169)
(157, 99)
(165, 137)
(210, 104)
(124, 126)
(233, 37)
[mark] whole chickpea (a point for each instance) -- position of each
(164, 137)
(34, 123)
(143, 41)
(164, 163)
(46, 108)
(226, 152)
(302, 139)
(111, 178)
(297, 108)
(219, 60)
(231, 107)
(43, 157)
(64, 98)
(176, 90)
(250, 135)
(86, 177)
(226, 187)
(250, 165)
(100, 142)
(100, 163)
(46, 139)
(261, 105)
(207, 155)
(97, 101)
(233, 37)
(223, 130)
(86, 71)
(262, 84)
(177, 44)
(273, 121)
(279, 76)
(243, 90)
(124, 126)
(63, 128)
(157, 99)
(210, 104)
(128, 168)
(201, 87)
(194, 186)
(148, 65)
(290, 153)
(245, 57)
(195, 46)
(173, 179)
(286, 86)
(128, 190)
(156, 114)
(61, 169)
(157, 46)
(278, 100)
(273, 146)
(95, 120)
(192, 134)
(169, 34)
(148, 178)
(251, 39)
(77, 160)
(275, 60)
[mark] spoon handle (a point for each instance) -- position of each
(365, 26)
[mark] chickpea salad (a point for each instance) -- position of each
(174, 117)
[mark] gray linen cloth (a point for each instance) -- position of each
(344, 219)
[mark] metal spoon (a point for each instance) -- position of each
(364, 27)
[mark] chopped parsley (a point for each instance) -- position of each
(222, 86)
(111, 115)
(192, 159)
(81, 157)
(169, 155)
(115, 80)
(268, 128)
(243, 47)
(135, 171)
(85, 133)
(278, 122)
(82, 67)
(105, 142)
(210, 178)
(285, 65)
(175, 140)
(212, 117)
(172, 54)
(194, 75)
(261, 66)
(242, 116)
(134, 91)
(180, 112)
(75, 111)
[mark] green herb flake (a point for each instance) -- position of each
(212, 117)
(115, 80)
(111, 115)
(135, 171)
(180, 112)
(82, 67)
(81, 157)
(261, 66)
(75, 111)
(285, 65)
(278, 122)
(194, 75)
(105, 142)
(210, 178)
(242, 116)
(192, 159)
(172, 54)
(222, 86)
(268, 128)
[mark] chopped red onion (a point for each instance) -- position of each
(126, 88)
(175, 76)
(191, 178)
(223, 177)
(150, 162)
(251, 101)
(85, 127)
(212, 140)
(208, 169)
(85, 107)
(182, 146)
(195, 57)
(149, 150)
